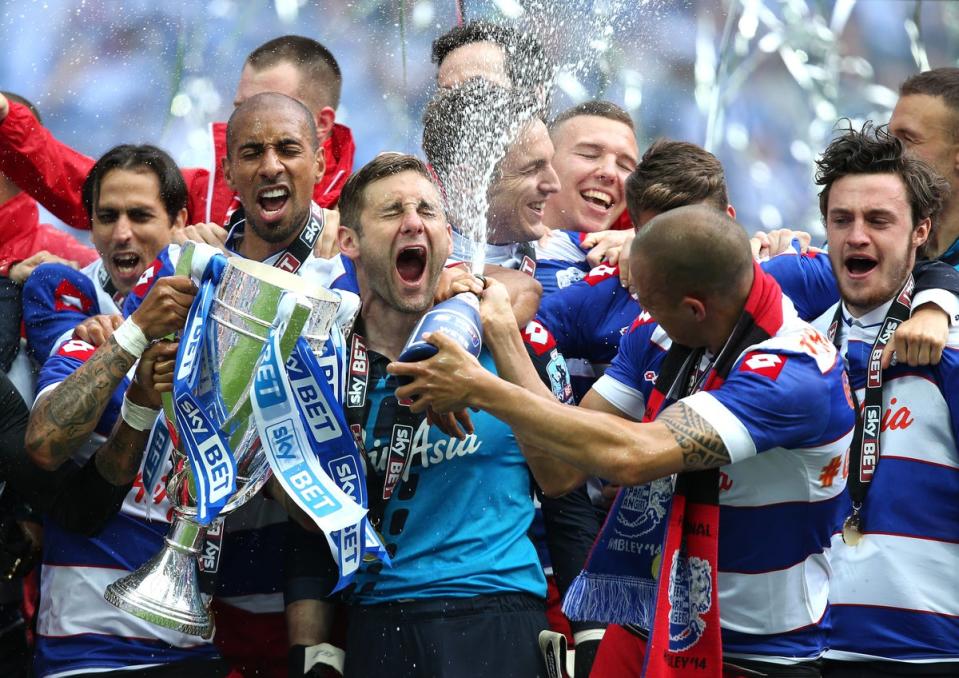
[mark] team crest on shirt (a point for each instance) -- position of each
(559, 382)
(643, 508)
(690, 597)
(567, 276)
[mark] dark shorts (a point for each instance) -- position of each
(447, 638)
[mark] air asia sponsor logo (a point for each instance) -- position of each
(725, 482)
(538, 337)
(896, 418)
(399, 454)
(359, 372)
(67, 297)
(767, 364)
(870, 437)
(424, 451)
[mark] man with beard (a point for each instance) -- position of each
(272, 164)
(464, 128)
(727, 402)
(293, 65)
(464, 574)
(135, 198)
(891, 613)
(94, 513)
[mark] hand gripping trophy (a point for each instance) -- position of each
(250, 399)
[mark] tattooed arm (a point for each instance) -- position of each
(63, 419)
(66, 416)
(621, 451)
(118, 459)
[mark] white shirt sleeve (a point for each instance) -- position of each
(735, 437)
(626, 399)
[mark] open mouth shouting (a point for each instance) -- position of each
(272, 201)
(859, 266)
(600, 199)
(127, 264)
(411, 264)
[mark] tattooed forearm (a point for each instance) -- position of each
(701, 445)
(70, 412)
(118, 459)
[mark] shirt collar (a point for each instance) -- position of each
(871, 319)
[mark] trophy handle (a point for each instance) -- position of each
(166, 589)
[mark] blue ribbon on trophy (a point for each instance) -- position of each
(159, 449)
(205, 445)
(331, 441)
(301, 426)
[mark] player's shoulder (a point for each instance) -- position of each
(806, 343)
(60, 287)
(64, 362)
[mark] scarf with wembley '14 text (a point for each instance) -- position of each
(655, 562)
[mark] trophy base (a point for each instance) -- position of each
(165, 590)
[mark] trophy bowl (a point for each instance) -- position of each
(165, 590)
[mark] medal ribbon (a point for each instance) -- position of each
(297, 252)
(864, 452)
(207, 449)
(285, 439)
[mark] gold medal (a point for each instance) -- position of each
(851, 535)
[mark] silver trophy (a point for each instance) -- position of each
(165, 590)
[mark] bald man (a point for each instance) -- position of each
(725, 377)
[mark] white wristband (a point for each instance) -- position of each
(137, 416)
(130, 338)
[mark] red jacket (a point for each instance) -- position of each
(22, 235)
(54, 173)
